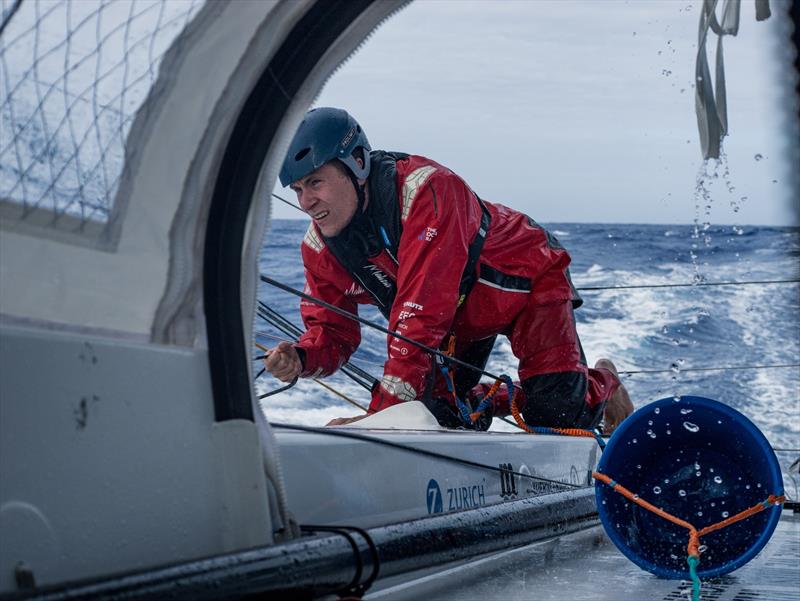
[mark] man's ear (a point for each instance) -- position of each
(360, 162)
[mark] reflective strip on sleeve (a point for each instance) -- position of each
(414, 181)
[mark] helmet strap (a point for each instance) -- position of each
(360, 192)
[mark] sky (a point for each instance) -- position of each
(580, 111)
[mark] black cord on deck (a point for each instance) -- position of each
(690, 285)
(418, 451)
(723, 368)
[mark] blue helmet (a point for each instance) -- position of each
(325, 134)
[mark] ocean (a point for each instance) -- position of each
(730, 343)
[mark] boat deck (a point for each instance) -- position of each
(586, 565)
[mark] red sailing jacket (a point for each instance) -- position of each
(440, 215)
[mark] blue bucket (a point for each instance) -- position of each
(700, 461)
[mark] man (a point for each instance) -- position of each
(444, 267)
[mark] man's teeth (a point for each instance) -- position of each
(321, 214)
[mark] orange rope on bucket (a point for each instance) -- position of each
(693, 547)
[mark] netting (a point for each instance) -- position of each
(72, 76)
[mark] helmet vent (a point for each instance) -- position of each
(299, 156)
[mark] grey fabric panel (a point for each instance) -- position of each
(711, 103)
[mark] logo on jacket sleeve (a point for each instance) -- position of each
(414, 181)
(312, 239)
(429, 234)
(354, 290)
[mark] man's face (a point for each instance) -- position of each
(329, 197)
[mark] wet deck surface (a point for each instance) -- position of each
(586, 565)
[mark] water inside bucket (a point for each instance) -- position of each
(700, 461)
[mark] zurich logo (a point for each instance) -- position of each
(434, 497)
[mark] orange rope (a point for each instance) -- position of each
(693, 547)
(492, 391)
(565, 431)
(518, 418)
(771, 500)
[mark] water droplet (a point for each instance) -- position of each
(676, 398)
(651, 434)
(682, 492)
(649, 422)
(634, 441)
(700, 514)
(666, 480)
(697, 473)
(713, 504)
(657, 410)
(669, 432)
(758, 156)
(702, 548)
(747, 486)
(635, 496)
(685, 411)
(711, 469)
(657, 490)
(691, 427)
(717, 479)
(758, 485)
(639, 466)
(696, 465)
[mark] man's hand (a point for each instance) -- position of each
(341, 421)
(283, 362)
